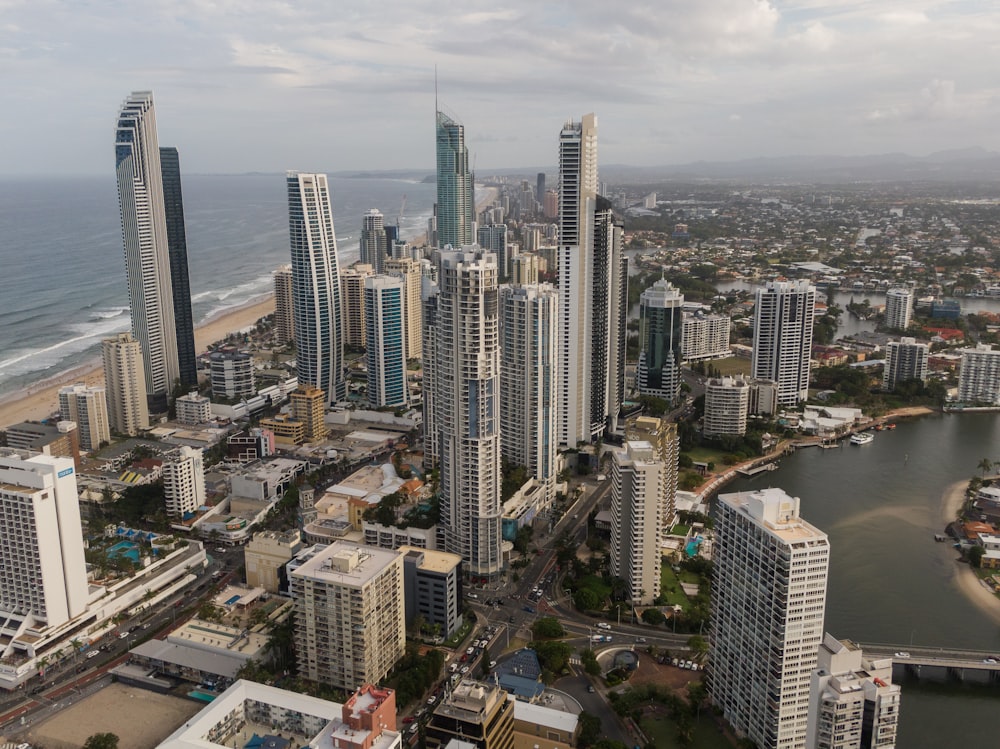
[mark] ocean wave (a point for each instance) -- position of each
(236, 296)
(108, 314)
(39, 359)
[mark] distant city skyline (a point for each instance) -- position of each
(677, 82)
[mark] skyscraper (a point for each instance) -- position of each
(768, 599)
(782, 337)
(173, 204)
(898, 308)
(577, 202)
(609, 316)
(463, 326)
(284, 317)
(352, 303)
(373, 240)
(528, 325)
(639, 486)
(125, 383)
(315, 285)
(146, 245)
(494, 239)
(44, 578)
(455, 203)
(660, 336)
(408, 269)
(385, 321)
(979, 375)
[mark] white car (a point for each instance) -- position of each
(901, 654)
(603, 625)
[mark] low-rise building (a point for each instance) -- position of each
(193, 409)
(433, 588)
(266, 556)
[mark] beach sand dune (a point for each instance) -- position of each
(42, 400)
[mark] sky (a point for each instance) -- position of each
(265, 85)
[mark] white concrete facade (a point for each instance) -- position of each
(125, 381)
(705, 336)
(898, 308)
(782, 337)
(284, 317)
(727, 403)
(905, 359)
(184, 481)
(639, 485)
(979, 375)
(88, 407)
(768, 600)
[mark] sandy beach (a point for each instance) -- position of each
(967, 580)
(42, 399)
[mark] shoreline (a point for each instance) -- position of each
(968, 582)
(41, 399)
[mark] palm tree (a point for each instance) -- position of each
(985, 465)
(76, 648)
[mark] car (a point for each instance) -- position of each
(432, 699)
(123, 635)
(39, 689)
(901, 654)
(493, 664)
(408, 719)
(529, 609)
(640, 639)
(590, 688)
(464, 658)
(465, 670)
(990, 660)
(93, 654)
(220, 550)
(453, 667)
(470, 650)
(603, 625)
(414, 728)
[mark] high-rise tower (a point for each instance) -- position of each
(145, 242)
(315, 285)
(125, 381)
(898, 308)
(385, 322)
(782, 337)
(577, 203)
(373, 240)
(463, 326)
(768, 599)
(660, 325)
(608, 318)
(455, 204)
(173, 204)
(528, 324)
(408, 269)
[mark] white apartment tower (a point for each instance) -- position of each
(144, 236)
(408, 269)
(853, 702)
(905, 359)
(125, 383)
(662, 435)
(315, 285)
(284, 317)
(464, 413)
(727, 404)
(352, 299)
(577, 203)
(639, 483)
(898, 308)
(350, 624)
(528, 350)
(43, 574)
(768, 598)
(385, 321)
(979, 375)
(88, 407)
(373, 240)
(184, 481)
(782, 337)
(705, 336)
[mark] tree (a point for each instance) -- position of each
(697, 644)
(586, 599)
(101, 741)
(590, 729)
(985, 465)
(653, 616)
(975, 555)
(548, 627)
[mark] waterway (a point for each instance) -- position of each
(890, 582)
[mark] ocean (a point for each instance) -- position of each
(62, 272)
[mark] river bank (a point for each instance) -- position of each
(971, 585)
(41, 400)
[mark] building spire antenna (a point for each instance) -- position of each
(436, 110)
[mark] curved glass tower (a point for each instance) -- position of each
(454, 185)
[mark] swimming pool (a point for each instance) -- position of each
(691, 548)
(124, 549)
(201, 696)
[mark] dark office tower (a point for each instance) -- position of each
(610, 300)
(540, 188)
(455, 204)
(373, 240)
(173, 205)
(494, 238)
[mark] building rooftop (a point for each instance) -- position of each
(776, 512)
(434, 561)
(345, 563)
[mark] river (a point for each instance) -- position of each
(890, 582)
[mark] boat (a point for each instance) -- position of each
(862, 438)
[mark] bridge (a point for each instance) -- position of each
(951, 662)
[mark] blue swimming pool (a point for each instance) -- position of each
(691, 548)
(124, 549)
(201, 696)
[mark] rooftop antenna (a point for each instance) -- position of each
(436, 110)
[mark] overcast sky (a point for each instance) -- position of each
(261, 85)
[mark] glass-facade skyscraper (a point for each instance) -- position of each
(315, 285)
(660, 336)
(385, 322)
(455, 203)
(173, 203)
